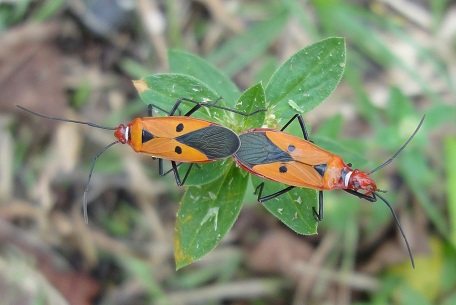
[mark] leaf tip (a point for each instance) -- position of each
(140, 85)
(181, 258)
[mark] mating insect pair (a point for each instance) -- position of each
(267, 153)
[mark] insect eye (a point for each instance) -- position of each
(356, 184)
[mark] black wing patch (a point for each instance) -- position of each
(256, 148)
(216, 142)
(146, 136)
(321, 168)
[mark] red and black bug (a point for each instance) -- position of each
(281, 157)
(179, 139)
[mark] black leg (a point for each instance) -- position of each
(177, 165)
(186, 174)
(213, 105)
(204, 104)
(201, 104)
(151, 106)
(180, 182)
(198, 105)
(189, 113)
(216, 101)
(176, 173)
(259, 190)
(372, 198)
(169, 171)
(319, 214)
(174, 169)
(160, 167)
(301, 122)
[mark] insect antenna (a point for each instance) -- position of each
(400, 227)
(65, 120)
(400, 149)
(96, 156)
(84, 202)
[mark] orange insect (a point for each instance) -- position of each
(179, 139)
(281, 157)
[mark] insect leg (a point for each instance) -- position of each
(186, 174)
(204, 104)
(169, 171)
(176, 173)
(362, 196)
(160, 167)
(319, 214)
(301, 123)
(195, 108)
(175, 107)
(174, 169)
(213, 105)
(259, 190)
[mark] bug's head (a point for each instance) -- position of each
(121, 133)
(359, 180)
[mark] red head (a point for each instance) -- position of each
(358, 180)
(121, 133)
(130, 134)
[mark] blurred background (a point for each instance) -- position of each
(76, 59)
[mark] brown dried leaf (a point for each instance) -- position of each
(31, 70)
(77, 288)
(278, 251)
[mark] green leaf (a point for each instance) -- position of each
(186, 63)
(307, 78)
(204, 173)
(242, 49)
(252, 99)
(293, 208)
(163, 90)
(206, 214)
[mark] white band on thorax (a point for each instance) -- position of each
(347, 178)
(127, 131)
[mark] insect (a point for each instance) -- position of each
(281, 157)
(180, 139)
